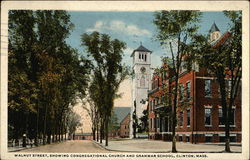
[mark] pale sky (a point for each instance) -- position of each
(132, 28)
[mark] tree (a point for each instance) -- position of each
(144, 121)
(135, 120)
(175, 29)
(45, 74)
(113, 123)
(73, 121)
(108, 71)
(224, 61)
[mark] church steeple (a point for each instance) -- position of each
(214, 28)
(214, 33)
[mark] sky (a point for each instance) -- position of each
(132, 28)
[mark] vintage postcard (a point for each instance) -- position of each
(124, 80)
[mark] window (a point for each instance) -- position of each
(208, 139)
(157, 122)
(232, 117)
(180, 138)
(222, 139)
(208, 92)
(142, 81)
(181, 92)
(151, 123)
(188, 117)
(142, 56)
(139, 55)
(221, 120)
(219, 92)
(208, 120)
(162, 99)
(188, 90)
(232, 138)
(229, 86)
(151, 105)
(181, 119)
(145, 57)
(163, 125)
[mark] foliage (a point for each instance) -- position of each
(108, 72)
(223, 60)
(113, 123)
(144, 121)
(175, 29)
(73, 122)
(45, 74)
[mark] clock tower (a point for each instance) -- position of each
(140, 82)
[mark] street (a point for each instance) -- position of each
(76, 146)
(129, 145)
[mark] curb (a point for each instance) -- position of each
(117, 150)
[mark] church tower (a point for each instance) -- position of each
(214, 33)
(140, 82)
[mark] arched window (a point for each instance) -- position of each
(142, 81)
(142, 56)
(145, 57)
(139, 55)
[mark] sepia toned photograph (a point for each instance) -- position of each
(131, 84)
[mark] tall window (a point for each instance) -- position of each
(208, 90)
(163, 99)
(188, 90)
(139, 55)
(142, 56)
(181, 119)
(151, 123)
(145, 57)
(221, 120)
(208, 116)
(232, 117)
(181, 92)
(152, 105)
(142, 81)
(228, 85)
(188, 117)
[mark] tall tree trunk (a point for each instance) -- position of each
(101, 131)
(93, 133)
(37, 125)
(97, 132)
(221, 80)
(106, 130)
(44, 127)
(174, 116)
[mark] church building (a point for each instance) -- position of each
(140, 83)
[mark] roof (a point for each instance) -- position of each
(214, 28)
(141, 48)
(221, 40)
(121, 112)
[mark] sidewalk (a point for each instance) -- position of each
(16, 149)
(157, 146)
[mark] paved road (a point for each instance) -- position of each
(144, 145)
(77, 146)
